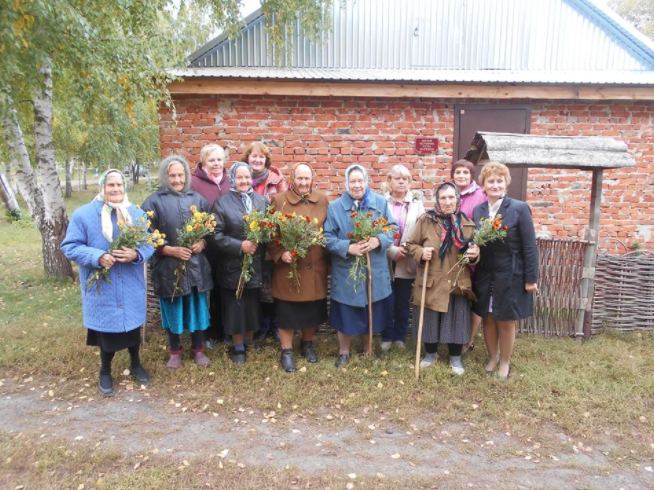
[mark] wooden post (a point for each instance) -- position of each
(584, 317)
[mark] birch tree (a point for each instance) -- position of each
(112, 57)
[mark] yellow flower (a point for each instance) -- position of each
(150, 214)
(315, 222)
(320, 230)
(385, 229)
(197, 216)
(148, 224)
(142, 219)
(254, 226)
(120, 222)
(160, 242)
(189, 228)
(294, 215)
(194, 209)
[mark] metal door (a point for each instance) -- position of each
(506, 118)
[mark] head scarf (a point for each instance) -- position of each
(121, 208)
(246, 197)
(452, 232)
(364, 202)
(292, 181)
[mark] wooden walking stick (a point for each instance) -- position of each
(422, 317)
(369, 307)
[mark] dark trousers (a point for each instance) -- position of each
(452, 349)
(215, 330)
(175, 341)
(399, 304)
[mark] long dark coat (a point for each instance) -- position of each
(170, 212)
(506, 265)
(227, 240)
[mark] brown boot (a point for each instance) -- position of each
(199, 358)
(175, 361)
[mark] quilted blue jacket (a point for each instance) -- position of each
(117, 306)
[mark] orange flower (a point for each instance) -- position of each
(308, 219)
(288, 215)
(271, 211)
(505, 228)
(279, 243)
(397, 236)
(294, 253)
(353, 215)
(349, 235)
(369, 215)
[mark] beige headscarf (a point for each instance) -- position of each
(122, 212)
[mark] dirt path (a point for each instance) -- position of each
(136, 422)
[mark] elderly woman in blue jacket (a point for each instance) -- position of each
(348, 310)
(113, 314)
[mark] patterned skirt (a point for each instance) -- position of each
(452, 327)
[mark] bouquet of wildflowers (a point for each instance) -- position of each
(297, 234)
(489, 230)
(366, 226)
(193, 230)
(129, 236)
(259, 228)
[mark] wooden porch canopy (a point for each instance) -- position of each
(591, 153)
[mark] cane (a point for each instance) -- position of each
(422, 317)
(369, 306)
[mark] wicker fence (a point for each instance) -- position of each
(624, 292)
(557, 303)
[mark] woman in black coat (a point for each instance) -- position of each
(240, 316)
(186, 309)
(506, 276)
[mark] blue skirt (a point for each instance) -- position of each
(190, 312)
(353, 320)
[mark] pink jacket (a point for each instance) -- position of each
(274, 184)
(471, 197)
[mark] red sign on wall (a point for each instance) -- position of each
(426, 146)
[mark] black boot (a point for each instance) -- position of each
(306, 349)
(106, 385)
(288, 360)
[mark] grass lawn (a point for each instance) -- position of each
(601, 390)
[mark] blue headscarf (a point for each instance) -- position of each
(364, 202)
(246, 197)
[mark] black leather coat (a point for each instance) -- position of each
(170, 212)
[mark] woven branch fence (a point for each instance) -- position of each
(558, 301)
(624, 292)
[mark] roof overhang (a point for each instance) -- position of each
(491, 84)
(533, 151)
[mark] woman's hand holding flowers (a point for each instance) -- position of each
(181, 253)
(369, 245)
(287, 257)
(107, 260)
(472, 253)
(125, 255)
(249, 247)
(198, 246)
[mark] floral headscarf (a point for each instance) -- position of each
(121, 208)
(364, 202)
(452, 232)
(292, 180)
(246, 197)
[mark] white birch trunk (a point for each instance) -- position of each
(69, 177)
(25, 177)
(55, 222)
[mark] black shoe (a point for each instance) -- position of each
(288, 361)
(141, 376)
(238, 356)
(106, 385)
(306, 349)
(342, 360)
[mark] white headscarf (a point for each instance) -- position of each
(121, 208)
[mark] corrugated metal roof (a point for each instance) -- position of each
(510, 36)
(425, 75)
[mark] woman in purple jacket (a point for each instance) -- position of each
(211, 182)
(471, 195)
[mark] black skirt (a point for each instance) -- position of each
(240, 315)
(298, 315)
(113, 342)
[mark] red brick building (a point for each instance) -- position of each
(386, 76)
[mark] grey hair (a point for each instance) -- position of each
(394, 172)
(208, 149)
(164, 166)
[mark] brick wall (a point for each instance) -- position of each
(332, 133)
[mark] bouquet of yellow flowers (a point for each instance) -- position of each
(365, 228)
(259, 227)
(129, 236)
(489, 230)
(193, 230)
(297, 234)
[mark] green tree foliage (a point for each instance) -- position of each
(639, 12)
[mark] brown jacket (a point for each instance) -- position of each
(440, 281)
(313, 268)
